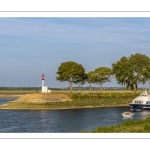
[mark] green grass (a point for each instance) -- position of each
(130, 126)
(79, 100)
(104, 95)
(2, 92)
(84, 103)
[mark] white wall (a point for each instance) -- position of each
(44, 89)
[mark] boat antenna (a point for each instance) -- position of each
(148, 86)
(145, 87)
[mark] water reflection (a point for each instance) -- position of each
(142, 115)
(127, 118)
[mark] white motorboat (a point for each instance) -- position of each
(141, 102)
(127, 114)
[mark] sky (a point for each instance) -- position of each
(30, 45)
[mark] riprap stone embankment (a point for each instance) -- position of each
(50, 97)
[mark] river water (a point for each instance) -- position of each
(62, 121)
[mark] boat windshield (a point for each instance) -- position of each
(144, 94)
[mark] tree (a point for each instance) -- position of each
(91, 78)
(120, 70)
(103, 74)
(70, 71)
(81, 80)
(132, 70)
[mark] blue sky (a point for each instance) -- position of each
(30, 45)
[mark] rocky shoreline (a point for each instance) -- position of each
(43, 98)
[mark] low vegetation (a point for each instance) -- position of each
(67, 100)
(104, 95)
(130, 126)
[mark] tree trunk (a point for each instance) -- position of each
(70, 85)
(79, 86)
(134, 87)
(101, 86)
(90, 87)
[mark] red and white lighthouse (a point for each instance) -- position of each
(43, 78)
(44, 88)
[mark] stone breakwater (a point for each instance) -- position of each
(51, 97)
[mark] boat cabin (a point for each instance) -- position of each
(138, 102)
(144, 98)
(141, 102)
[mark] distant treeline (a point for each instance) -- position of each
(27, 88)
(20, 88)
(105, 88)
(67, 88)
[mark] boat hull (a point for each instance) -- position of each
(137, 107)
(127, 116)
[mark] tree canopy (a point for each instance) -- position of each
(70, 71)
(132, 70)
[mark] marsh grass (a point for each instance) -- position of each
(105, 95)
(130, 126)
(109, 93)
(84, 103)
(79, 100)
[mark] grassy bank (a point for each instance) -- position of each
(130, 126)
(78, 100)
(89, 103)
(109, 95)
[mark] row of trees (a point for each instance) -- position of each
(128, 71)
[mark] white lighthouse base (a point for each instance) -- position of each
(44, 89)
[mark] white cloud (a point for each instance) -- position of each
(49, 30)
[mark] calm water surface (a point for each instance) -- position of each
(61, 121)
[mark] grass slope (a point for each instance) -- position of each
(130, 126)
(78, 100)
(88, 103)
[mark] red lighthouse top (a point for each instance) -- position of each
(42, 77)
